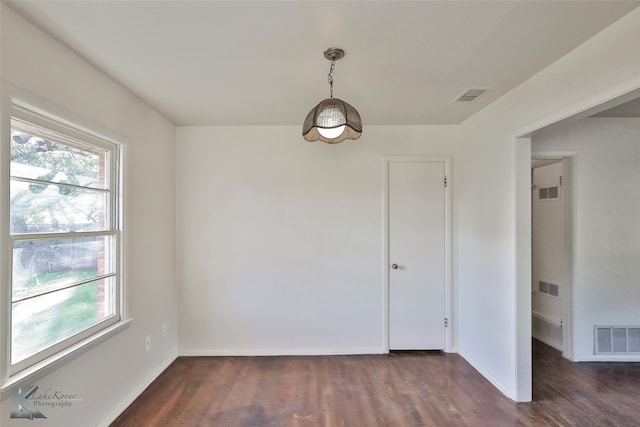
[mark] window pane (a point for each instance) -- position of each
(63, 228)
(39, 154)
(48, 208)
(44, 265)
(40, 322)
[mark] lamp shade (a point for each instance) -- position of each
(331, 114)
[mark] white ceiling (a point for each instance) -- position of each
(261, 62)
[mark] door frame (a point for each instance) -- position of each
(567, 257)
(448, 291)
(611, 96)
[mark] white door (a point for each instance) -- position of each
(416, 209)
(547, 250)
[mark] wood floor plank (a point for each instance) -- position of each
(397, 390)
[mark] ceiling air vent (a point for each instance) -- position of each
(471, 94)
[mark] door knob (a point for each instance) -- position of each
(394, 266)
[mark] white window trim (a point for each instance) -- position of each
(48, 116)
(42, 368)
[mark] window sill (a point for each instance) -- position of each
(46, 366)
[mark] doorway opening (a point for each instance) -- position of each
(551, 251)
(581, 317)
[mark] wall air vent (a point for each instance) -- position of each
(471, 94)
(548, 193)
(617, 339)
(548, 288)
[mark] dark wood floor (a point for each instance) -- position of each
(402, 389)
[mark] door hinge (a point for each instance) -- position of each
(446, 322)
(561, 323)
(560, 179)
(445, 181)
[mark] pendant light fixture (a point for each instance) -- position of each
(332, 120)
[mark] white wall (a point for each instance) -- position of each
(280, 241)
(606, 242)
(110, 375)
(494, 192)
(306, 273)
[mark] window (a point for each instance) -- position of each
(64, 234)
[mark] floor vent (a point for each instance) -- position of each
(617, 339)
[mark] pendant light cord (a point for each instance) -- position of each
(333, 65)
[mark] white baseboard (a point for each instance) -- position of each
(130, 397)
(548, 341)
(609, 358)
(280, 352)
(453, 349)
(485, 373)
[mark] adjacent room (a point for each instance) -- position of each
(168, 210)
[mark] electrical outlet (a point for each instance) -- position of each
(164, 331)
(147, 342)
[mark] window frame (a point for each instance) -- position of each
(103, 328)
